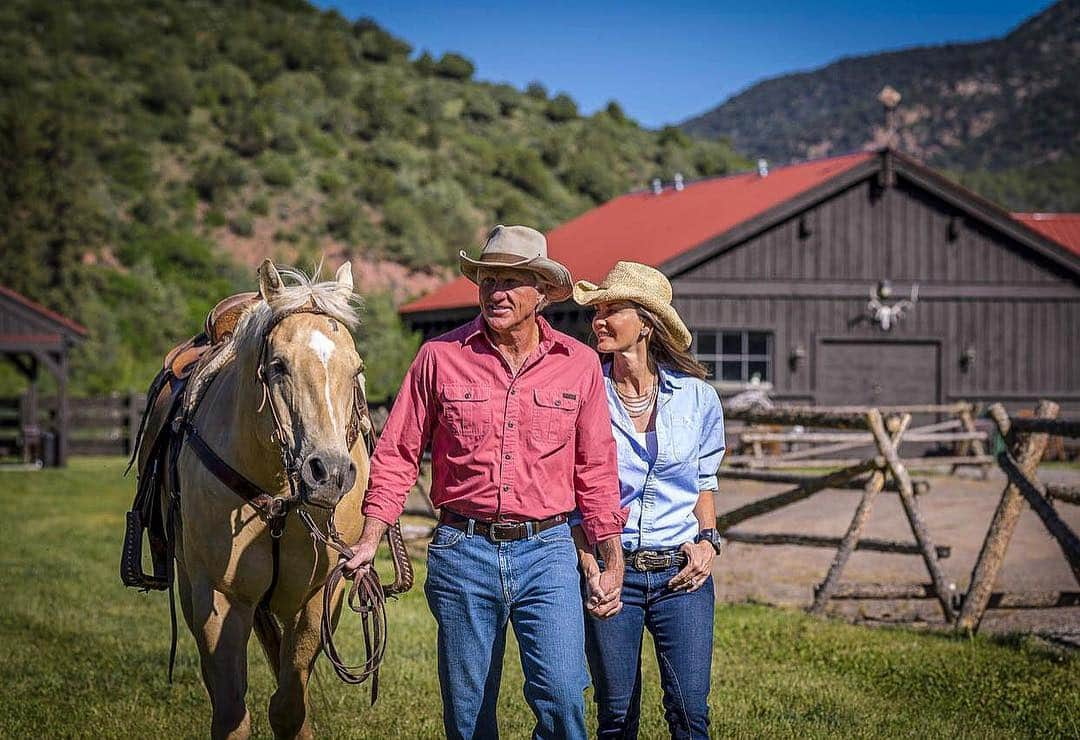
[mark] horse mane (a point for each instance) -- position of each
(330, 297)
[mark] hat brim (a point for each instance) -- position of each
(589, 294)
(552, 272)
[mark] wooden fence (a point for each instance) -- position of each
(102, 425)
(757, 443)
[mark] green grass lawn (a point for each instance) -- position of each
(82, 656)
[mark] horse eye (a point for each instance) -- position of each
(276, 367)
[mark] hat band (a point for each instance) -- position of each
(502, 258)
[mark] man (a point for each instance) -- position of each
(516, 416)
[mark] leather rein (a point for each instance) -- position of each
(367, 595)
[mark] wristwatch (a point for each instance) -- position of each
(712, 537)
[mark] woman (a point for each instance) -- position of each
(669, 430)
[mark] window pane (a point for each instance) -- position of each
(731, 370)
(759, 343)
(759, 368)
(732, 343)
(710, 369)
(706, 343)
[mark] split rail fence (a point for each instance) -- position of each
(762, 444)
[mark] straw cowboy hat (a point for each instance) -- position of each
(640, 284)
(521, 248)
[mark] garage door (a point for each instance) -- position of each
(858, 372)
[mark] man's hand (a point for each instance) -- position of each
(364, 551)
(697, 570)
(605, 588)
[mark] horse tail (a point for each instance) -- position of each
(269, 634)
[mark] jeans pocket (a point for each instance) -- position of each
(445, 537)
(558, 533)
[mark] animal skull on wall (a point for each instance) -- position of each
(885, 315)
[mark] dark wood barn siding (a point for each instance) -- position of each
(1018, 312)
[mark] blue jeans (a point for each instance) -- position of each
(681, 624)
(474, 588)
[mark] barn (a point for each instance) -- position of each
(867, 278)
(33, 337)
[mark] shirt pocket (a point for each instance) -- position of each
(684, 436)
(466, 410)
(554, 413)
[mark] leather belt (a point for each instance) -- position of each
(644, 560)
(500, 531)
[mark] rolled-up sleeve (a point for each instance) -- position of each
(711, 445)
(596, 471)
(396, 461)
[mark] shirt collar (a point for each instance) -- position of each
(549, 338)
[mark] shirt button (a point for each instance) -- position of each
(507, 456)
(513, 391)
(468, 396)
(509, 425)
(558, 403)
(506, 488)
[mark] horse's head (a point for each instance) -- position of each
(310, 369)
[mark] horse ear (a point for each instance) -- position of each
(269, 279)
(344, 275)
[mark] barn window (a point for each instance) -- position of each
(735, 355)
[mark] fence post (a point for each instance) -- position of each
(1028, 451)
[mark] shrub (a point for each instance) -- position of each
(561, 108)
(673, 136)
(380, 46)
(215, 177)
(524, 168)
(536, 90)
(615, 112)
(454, 67)
(341, 216)
(213, 218)
(330, 181)
(170, 89)
(480, 107)
(226, 84)
(425, 64)
(259, 205)
(276, 170)
(242, 225)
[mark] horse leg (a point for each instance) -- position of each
(222, 627)
(299, 648)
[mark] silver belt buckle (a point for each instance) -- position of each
(494, 528)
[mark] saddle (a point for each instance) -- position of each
(164, 401)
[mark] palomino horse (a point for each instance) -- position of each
(281, 400)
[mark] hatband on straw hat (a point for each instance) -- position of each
(521, 248)
(640, 284)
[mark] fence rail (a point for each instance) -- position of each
(100, 425)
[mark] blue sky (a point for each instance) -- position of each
(666, 61)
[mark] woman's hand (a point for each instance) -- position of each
(697, 570)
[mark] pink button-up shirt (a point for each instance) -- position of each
(502, 446)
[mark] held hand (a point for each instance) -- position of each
(697, 570)
(363, 555)
(605, 594)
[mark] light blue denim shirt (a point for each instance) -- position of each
(661, 494)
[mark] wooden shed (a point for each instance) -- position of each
(861, 279)
(33, 337)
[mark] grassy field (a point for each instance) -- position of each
(82, 656)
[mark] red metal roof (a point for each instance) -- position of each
(655, 228)
(1063, 228)
(48, 313)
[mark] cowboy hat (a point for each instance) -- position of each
(640, 284)
(522, 248)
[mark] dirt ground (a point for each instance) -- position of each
(957, 511)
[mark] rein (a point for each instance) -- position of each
(367, 595)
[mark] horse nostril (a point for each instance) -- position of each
(349, 479)
(315, 471)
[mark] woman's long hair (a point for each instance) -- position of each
(664, 351)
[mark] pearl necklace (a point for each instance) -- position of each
(637, 406)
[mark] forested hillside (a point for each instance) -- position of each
(1003, 115)
(152, 153)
